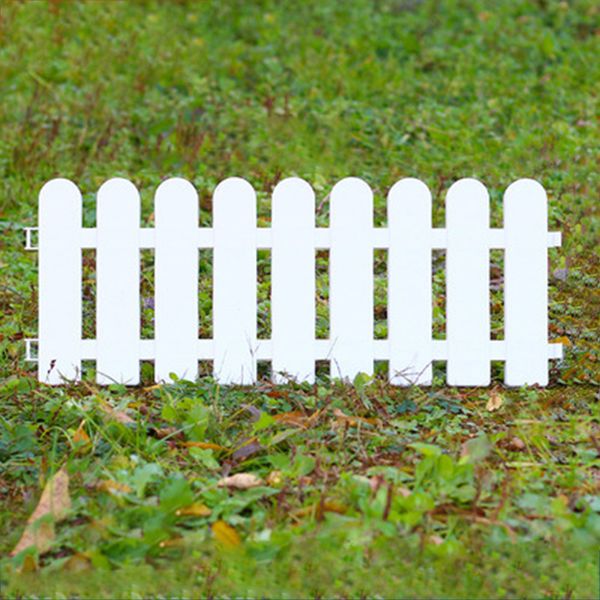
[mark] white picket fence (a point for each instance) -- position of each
(293, 239)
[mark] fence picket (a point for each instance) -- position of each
(59, 357)
(118, 283)
(409, 283)
(526, 284)
(234, 286)
(293, 281)
(176, 280)
(351, 279)
(468, 284)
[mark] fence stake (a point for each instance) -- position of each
(176, 280)
(409, 283)
(234, 284)
(351, 279)
(59, 282)
(468, 283)
(293, 281)
(118, 283)
(526, 283)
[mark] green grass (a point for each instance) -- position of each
(422, 492)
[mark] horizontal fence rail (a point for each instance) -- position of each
(293, 240)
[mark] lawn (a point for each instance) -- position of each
(337, 490)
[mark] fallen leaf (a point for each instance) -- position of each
(78, 562)
(403, 491)
(113, 413)
(240, 481)
(516, 444)
(172, 543)
(476, 449)
(80, 436)
(274, 478)
(561, 274)
(335, 507)
(165, 432)
(376, 482)
(353, 421)
(204, 445)
(225, 534)
(113, 487)
(247, 449)
(495, 402)
(29, 564)
(194, 510)
(564, 340)
(254, 412)
(318, 509)
(297, 418)
(54, 503)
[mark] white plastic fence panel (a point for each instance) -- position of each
(293, 238)
(293, 281)
(118, 283)
(234, 284)
(526, 284)
(409, 283)
(176, 280)
(468, 284)
(59, 350)
(351, 279)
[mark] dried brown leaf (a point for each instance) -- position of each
(319, 508)
(194, 510)
(115, 488)
(204, 445)
(240, 481)
(78, 562)
(225, 534)
(343, 419)
(55, 503)
(298, 419)
(274, 478)
(495, 401)
(112, 413)
(80, 435)
(516, 444)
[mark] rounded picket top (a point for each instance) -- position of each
(469, 199)
(117, 188)
(177, 187)
(118, 205)
(467, 189)
(351, 204)
(293, 187)
(293, 204)
(176, 203)
(525, 191)
(233, 189)
(411, 189)
(59, 207)
(409, 207)
(234, 205)
(351, 187)
(526, 210)
(59, 189)
(526, 185)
